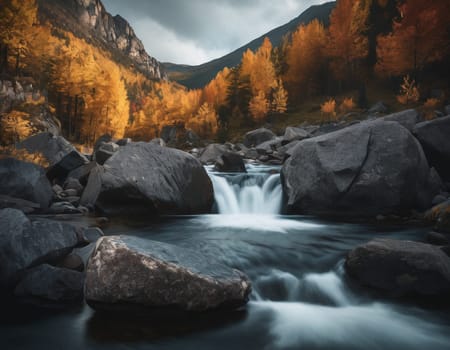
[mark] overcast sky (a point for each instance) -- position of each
(197, 31)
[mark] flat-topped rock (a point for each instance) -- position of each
(135, 271)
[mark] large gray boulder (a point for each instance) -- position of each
(258, 136)
(24, 244)
(401, 267)
(160, 180)
(408, 118)
(52, 284)
(60, 154)
(25, 181)
(366, 169)
(434, 136)
(155, 274)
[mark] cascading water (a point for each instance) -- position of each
(251, 200)
(256, 192)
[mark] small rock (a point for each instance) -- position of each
(73, 184)
(57, 189)
(230, 163)
(69, 193)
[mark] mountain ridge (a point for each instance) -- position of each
(199, 75)
(90, 20)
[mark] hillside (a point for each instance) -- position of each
(88, 19)
(199, 76)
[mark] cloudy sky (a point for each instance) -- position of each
(197, 31)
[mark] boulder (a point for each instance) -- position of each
(366, 169)
(60, 154)
(25, 181)
(24, 244)
(408, 119)
(152, 179)
(212, 153)
(258, 136)
(105, 151)
(401, 267)
(93, 187)
(434, 137)
(292, 133)
(230, 163)
(268, 147)
(73, 185)
(51, 283)
(156, 274)
(378, 108)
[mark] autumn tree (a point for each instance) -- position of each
(419, 37)
(306, 60)
(17, 18)
(259, 106)
(348, 42)
(279, 98)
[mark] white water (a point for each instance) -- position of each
(247, 194)
(251, 200)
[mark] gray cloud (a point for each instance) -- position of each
(196, 31)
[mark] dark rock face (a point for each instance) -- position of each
(367, 169)
(401, 267)
(52, 283)
(434, 136)
(157, 179)
(258, 136)
(121, 271)
(408, 119)
(212, 153)
(24, 244)
(25, 181)
(230, 163)
(61, 155)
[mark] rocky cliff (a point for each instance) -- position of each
(90, 20)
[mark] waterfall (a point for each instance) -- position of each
(256, 192)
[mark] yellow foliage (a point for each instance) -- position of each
(430, 105)
(259, 106)
(279, 98)
(409, 92)
(305, 58)
(329, 108)
(204, 123)
(22, 154)
(347, 105)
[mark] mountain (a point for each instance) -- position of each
(89, 20)
(199, 76)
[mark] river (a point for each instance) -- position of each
(301, 299)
